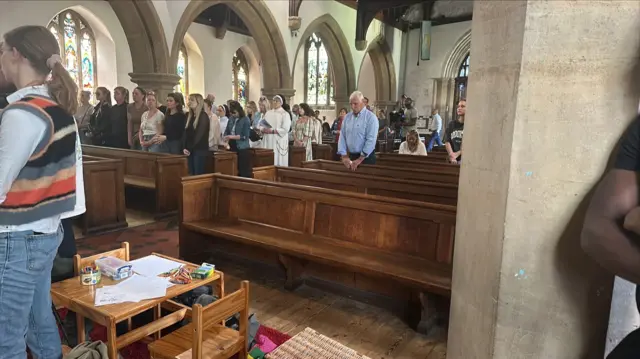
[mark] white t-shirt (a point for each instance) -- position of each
(421, 150)
(149, 125)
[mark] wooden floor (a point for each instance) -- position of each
(370, 330)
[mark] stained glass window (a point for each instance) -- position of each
(183, 70)
(319, 89)
(77, 48)
(240, 78)
(461, 84)
(464, 67)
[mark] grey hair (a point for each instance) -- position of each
(358, 95)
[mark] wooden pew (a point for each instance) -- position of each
(261, 157)
(435, 173)
(104, 195)
(322, 152)
(433, 192)
(225, 162)
(437, 157)
(158, 172)
(297, 155)
(372, 242)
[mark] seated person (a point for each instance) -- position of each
(413, 145)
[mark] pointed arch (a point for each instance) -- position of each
(457, 56)
(145, 35)
(341, 61)
(384, 69)
(264, 29)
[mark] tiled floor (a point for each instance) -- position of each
(369, 330)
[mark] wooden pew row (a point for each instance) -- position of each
(433, 192)
(225, 162)
(158, 172)
(431, 174)
(431, 157)
(322, 152)
(104, 195)
(405, 249)
(297, 155)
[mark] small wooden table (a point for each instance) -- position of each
(80, 299)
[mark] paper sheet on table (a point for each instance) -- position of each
(134, 289)
(153, 266)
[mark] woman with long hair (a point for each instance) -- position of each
(151, 126)
(41, 180)
(412, 145)
(100, 122)
(237, 135)
(303, 130)
(134, 116)
(215, 136)
(119, 120)
(196, 136)
(276, 131)
(83, 115)
(174, 121)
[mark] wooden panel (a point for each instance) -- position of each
(272, 210)
(262, 157)
(297, 155)
(225, 162)
(431, 165)
(170, 171)
(104, 195)
(431, 175)
(197, 198)
(267, 173)
(322, 152)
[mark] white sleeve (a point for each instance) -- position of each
(20, 134)
(81, 205)
(403, 148)
(422, 150)
(286, 125)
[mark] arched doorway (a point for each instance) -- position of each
(258, 18)
(342, 70)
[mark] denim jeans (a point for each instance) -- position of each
(26, 260)
(434, 137)
(197, 162)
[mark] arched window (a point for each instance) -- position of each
(77, 48)
(461, 83)
(183, 70)
(240, 78)
(319, 76)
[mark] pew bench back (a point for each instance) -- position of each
(430, 174)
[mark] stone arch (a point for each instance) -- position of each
(264, 29)
(339, 51)
(457, 55)
(145, 35)
(384, 69)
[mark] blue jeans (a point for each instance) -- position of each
(434, 137)
(26, 259)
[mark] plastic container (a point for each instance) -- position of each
(114, 268)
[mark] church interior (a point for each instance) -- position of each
(411, 257)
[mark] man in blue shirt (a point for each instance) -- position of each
(358, 134)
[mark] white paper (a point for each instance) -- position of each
(134, 289)
(153, 266)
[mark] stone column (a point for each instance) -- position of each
(161, 84)
(551, 90)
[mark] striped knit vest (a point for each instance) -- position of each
(46, 185)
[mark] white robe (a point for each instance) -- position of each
(280, 121)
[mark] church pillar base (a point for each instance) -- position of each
(161, 84)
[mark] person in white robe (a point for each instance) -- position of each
(275, 130)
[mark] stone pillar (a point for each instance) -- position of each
(161, 84)
(553, 85)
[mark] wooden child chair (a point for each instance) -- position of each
(205, 337)
(80, 262)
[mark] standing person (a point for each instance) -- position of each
(37, 185)
(338, 123)
(237, 136)
(303, 130)
(119, 120)
(83, 115)
(455, 131)
(174, 122)
(410, 118)
(215, 137)
(151, 126)
(358, 136)
(275, 129)
(134, 116)
(223, 115)
(436, 129)
(100, 122)
(196, 136)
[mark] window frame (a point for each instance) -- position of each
(239, 61)
(317, 42)
(183, 50)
